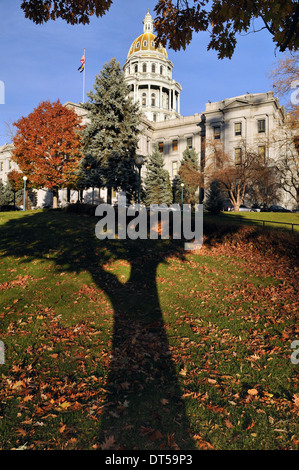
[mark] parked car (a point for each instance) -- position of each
(243, 208)
(278, 209)
(256, 208)
(163, 208)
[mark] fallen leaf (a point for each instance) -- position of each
(296, 400)
(212, 381)
(155, 435)
(64, 405)
(228, 424)
(62, 429)
(164, 401)
(108, 444)
(252, 391)
(251, 425)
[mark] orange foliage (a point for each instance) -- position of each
(47, 145)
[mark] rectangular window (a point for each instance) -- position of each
(174, 145)
(161, 147)
(217, 132)
(238, 128)
(1, 166)
(238, 156)
(261, 125)
(9, 164)
(174, 168)
(189, 142)
(262, 153)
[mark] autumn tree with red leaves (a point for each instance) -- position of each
(47, 146)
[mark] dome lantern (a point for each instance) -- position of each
(148, 23)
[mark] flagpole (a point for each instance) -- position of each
(84, 76)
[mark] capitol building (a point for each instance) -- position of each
(250, 118)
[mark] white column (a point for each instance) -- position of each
(135, 94)
(179, 103)
(148, 96)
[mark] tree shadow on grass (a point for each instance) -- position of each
(144, 408)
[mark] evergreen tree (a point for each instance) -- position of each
(189, 174)
(89, 174)
(9, 196)
(214, 201)
(157, 182)
(6, 196)
(110, 137)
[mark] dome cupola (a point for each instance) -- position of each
(148, 73)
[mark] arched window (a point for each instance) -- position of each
(144, 68)
(143, 101)
(153, 99)
(153, 68)
(144, 43)
(136, 68)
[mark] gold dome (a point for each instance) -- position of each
(146, 43)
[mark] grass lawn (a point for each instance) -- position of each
(278, 220)
(125, 344)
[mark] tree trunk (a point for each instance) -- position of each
(55, 198)
(109, 195)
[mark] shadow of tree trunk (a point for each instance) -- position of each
(144, 408)
(144, 405)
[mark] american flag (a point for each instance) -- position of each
(81, 68)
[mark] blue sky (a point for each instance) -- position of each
(40, 62)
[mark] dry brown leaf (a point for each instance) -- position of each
(155, 435)
(296, 400)
(164, 401)
(62, 429)
(108, 443)
(228, 424)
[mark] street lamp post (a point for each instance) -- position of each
(139, 163)
(182, 197)
(24, 199)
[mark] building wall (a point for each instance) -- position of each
(174, 135)
(6, 164)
